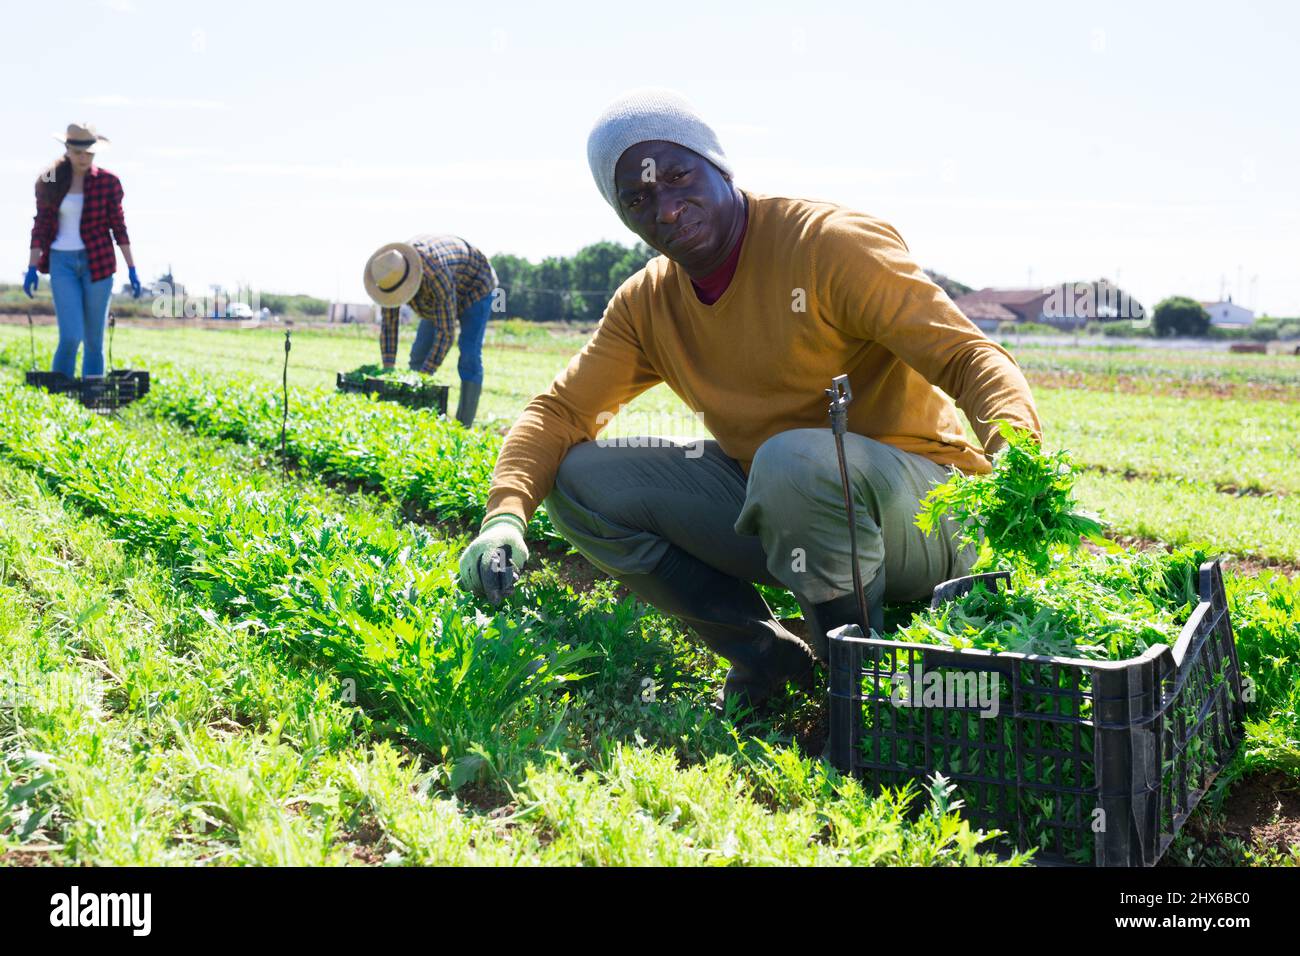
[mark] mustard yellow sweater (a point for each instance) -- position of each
(819, 291)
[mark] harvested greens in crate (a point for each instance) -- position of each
(411, 389)
(1081, 703)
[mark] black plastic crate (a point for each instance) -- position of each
(427, 395)
(53, 382)
(133, 383)
(351, 383)
(106, 395)
(119, 388)
(1089, 762)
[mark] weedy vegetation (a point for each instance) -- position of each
(286, 671)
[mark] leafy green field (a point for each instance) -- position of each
(1147, 370)
(1198, 444)
(220, 662)
(1248, 446)
(224, 725)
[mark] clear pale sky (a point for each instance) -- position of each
(277, 144)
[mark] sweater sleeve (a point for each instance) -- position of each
(611, 370)
(877, 291)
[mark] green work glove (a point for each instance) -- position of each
(504, 530)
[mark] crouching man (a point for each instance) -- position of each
(755, 304)
(447, 283)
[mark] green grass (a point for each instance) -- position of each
(144, 731)
(1200, 442)
(517, 366)
(1250, 445)
(160, 734)
(245, 550)
(1188, 512)
(380, 445)
(640, 808)
(668, 781)
(377, 604)
(1206, 371)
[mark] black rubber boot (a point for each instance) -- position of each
(467, 405)
(844, 610)
(731, 619)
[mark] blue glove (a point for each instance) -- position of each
(31, 281)
(135, 282)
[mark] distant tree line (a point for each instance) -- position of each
(289, 304)
(948, 284)
(576, 288)
(1180, 315)
(568, 288)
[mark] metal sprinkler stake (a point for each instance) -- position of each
(284, 422)
(840, 393)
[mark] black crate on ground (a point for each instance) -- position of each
(1089, 762)
(119, 388)
(393, 390)
(53, 382)
(106, 395)
(134, 379)
(346, 383)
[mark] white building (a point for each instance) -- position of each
(1228, 313)
(353, 312)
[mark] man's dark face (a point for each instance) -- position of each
(679, 203)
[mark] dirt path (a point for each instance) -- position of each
(1261, 810)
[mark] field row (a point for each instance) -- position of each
(344, 597)
(1267, 617)
(445, 472)
(1200, 372)
(1246, 446)
(1193, 454)
(1239, 445)
(1184, 373)
(1268, 612)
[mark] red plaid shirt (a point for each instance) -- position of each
(101, 223)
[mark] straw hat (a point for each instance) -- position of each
(393, 274)
(83, 137)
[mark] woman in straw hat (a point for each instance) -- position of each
(78, 216)
(447, 283)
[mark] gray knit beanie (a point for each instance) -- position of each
(643, 115)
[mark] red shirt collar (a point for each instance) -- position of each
(710, 288)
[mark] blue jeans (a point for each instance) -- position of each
(473, 326)
(81, 306)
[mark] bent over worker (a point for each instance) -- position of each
(446, 282)
(755, 304)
